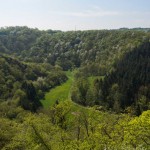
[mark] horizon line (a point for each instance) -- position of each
(75, 29)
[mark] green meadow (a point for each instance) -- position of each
(62, 92)
(59, 93)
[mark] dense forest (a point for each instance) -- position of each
(70, 49)
(26, 83)
(108, 101)
(130, 82)
(127, 87)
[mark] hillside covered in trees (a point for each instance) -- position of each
(26, 83)
(70, 49)
(120, 56)
(129, 83)
(125, 88)
(108, 97)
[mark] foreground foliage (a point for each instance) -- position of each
(61, 128)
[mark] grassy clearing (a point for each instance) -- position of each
(59, 93)
(62, 93)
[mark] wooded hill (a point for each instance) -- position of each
(70, 49)
(129, 83)
(26, 83)
(109, 53)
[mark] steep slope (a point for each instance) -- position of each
(26, 84)
(129, 84)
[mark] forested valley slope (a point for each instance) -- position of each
(98, 82)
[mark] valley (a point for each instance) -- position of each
(74, 90)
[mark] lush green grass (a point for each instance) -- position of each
(59, 93)
(62, 92)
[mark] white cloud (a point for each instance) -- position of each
(94, 14)
(96, 11)
(136, 13)
(87, 13)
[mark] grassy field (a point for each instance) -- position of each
(59, 93)
(62, 93)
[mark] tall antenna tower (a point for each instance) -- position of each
(75, 28)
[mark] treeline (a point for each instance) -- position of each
(124, 89)
(70, 49)
(83, 48)
(136, 29)
(17, 39)
(26, 83)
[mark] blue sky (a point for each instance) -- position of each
(70, 14)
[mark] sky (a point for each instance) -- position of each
(75, 14)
